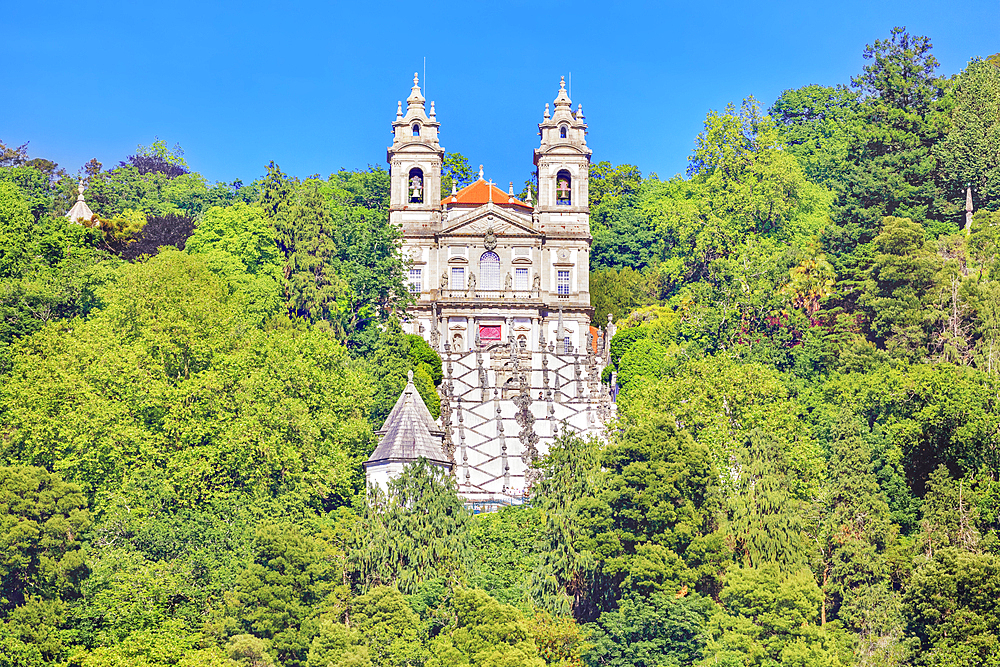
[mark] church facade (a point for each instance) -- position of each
(501, 291)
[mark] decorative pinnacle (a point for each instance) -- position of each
(480, 172)
(562, 99)
(454, 189)
(510, 191)
(546, 111)
(415, 99)
(79, 189)
(399, 110)
(409, 376)
(432, 109)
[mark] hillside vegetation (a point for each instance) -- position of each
(805, 469)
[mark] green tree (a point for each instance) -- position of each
(505, 555)
(568, 578)
(768, 618)
(456, 172)
(970, 151)
(484, 632)
(901, 274)
(662, 507)
(294, 578)
(659, 630)
(242, 231)
(416, 531)
(817, 124)
(951, 609)
(892, 171)
(42, 520)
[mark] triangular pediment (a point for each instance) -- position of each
(478, 221)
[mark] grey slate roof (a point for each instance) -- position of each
(409, 432)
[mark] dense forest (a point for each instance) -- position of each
(804, 469)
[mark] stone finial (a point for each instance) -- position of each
(510, 190)
(80, 213)
(480, 172)
(579, 111)
(562, 100)
(399, 110)
(968, 210)
(432, 109)
(415, 100)
(454, 189)
(546, 111)
(409, 376)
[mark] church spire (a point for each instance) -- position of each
(415, 100)
(562, 100)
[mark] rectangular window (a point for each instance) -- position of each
(521, 279)
(415, 283)
(457, 277)
(562, 283)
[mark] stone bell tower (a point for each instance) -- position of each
(563, 162)
(415, 165)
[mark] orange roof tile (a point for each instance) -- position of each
(478, 193)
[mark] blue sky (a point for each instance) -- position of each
(313, 85)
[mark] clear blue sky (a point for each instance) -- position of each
(313, 85)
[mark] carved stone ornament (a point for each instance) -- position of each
(490, 240)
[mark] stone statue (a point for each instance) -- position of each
(536, 283)
(444, 281)
(507, 282)
(472, 285)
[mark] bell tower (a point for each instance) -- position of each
(415, 165)
(563, 162)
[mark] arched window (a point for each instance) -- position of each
(416, 130)
(489, 271)
(562, 132)
(415, 187)
(564, 188)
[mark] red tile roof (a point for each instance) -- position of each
(478, 194)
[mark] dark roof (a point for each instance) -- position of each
(409, 432)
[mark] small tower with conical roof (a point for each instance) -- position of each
(408, 434)
(415, 159)
(80, 213)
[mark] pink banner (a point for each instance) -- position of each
(489, 333)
